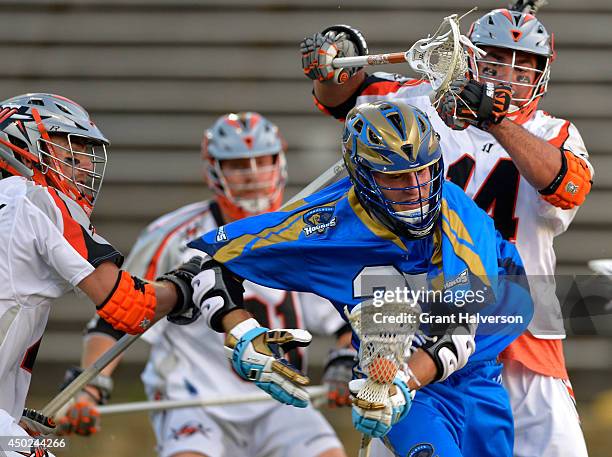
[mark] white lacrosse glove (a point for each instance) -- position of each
(256, 355)
(376, 419)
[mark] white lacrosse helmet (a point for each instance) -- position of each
(53, 141)
(519, 32)
(245, 187)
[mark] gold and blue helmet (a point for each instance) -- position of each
(393, 139)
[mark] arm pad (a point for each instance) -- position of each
(571, 185)
(451, 351)
(130, 306)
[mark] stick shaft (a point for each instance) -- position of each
(372, 59)
(326, 178)
(132, 407)
(16, 164)
(51, 409)
(364, 447)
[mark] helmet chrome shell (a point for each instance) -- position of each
(394, 138)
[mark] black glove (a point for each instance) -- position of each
(337, 373)
(186, 311)
(474, 103)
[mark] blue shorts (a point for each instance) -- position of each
(467, 415)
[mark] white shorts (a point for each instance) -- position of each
(378, 449)
(546, 423)
(9, 429)
(285, 431)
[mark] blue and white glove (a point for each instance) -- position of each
(376, 420)
(256, 355)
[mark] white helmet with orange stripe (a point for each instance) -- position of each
(519, 53)
(53, 141)
(244, 156)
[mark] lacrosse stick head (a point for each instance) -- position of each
(442, 57)
(384, 347)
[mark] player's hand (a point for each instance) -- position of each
(256, 355)
(319, 50)
(36, 424)
(377, 419)
(186, 311)
(81, 418)
(337, 374)
(474, 103)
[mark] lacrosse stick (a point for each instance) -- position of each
(441, 58)
(315, 392)
(384, 350)
(58, 403)
(55, 405)
(14, 163)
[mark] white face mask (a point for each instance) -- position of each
(414, 216)
(254, 205)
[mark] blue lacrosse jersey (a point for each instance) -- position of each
(326, 242)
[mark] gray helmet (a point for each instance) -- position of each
(27, 123)
(517, 31)
(246, 135)
(503, 28)
(242, 135)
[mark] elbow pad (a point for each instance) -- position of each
(451, 351)
(130, 306)
(571, 185)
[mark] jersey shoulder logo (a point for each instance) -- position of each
(318, 220)
(221, 235)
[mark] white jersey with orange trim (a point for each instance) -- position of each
(47, 247)
(189, 361)
(476, 161)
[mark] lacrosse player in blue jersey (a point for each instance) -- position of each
(394, 214)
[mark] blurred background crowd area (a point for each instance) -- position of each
(155, 73)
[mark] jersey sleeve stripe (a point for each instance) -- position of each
(151, 272)
(382, 88)
(562, 136)
(72, 229)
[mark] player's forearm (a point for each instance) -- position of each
(536, 160)
(331, 94)
(167, 298)
(423, 369)
(102, 283)
(344, 340)
(94, 345)
(233, 318)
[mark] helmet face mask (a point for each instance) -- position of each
(395, 163)
(252, 184)
(245, 164)
(528, 82)
(76, 161)
(55, 139)
(512, 39)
